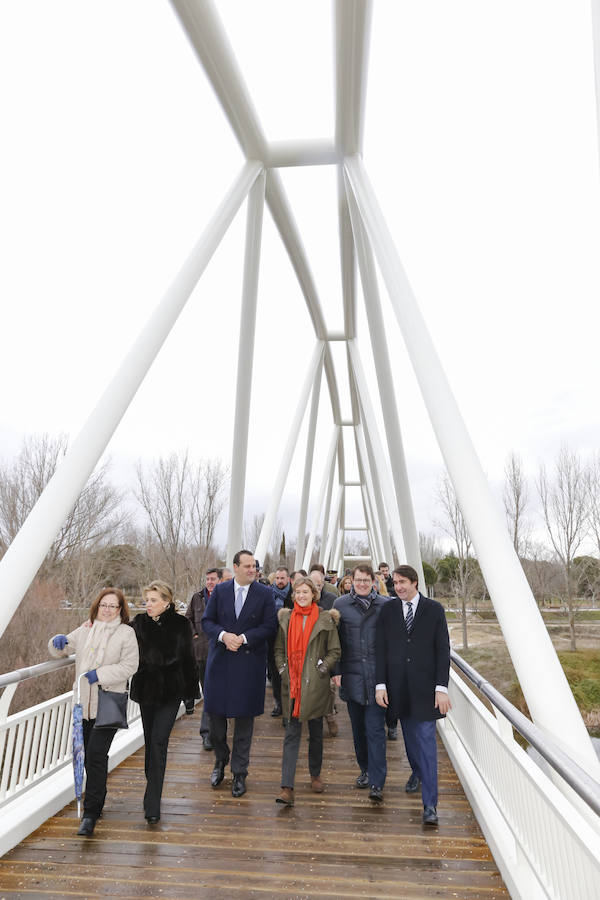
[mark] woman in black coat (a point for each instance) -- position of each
(168, 674)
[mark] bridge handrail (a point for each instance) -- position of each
(50, 665)
(577, 778)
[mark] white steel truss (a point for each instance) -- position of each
(383, 479)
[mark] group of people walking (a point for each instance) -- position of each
(387, 655)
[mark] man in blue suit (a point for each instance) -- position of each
(412, 665)
(239, 619)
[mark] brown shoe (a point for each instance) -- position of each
(316, 784)
(332, 725)
(286, 797)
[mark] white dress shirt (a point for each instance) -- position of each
(244, 588)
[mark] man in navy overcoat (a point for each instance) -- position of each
(412, 670)
(239, 619)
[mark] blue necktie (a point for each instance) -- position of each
(239, 601)
(409, 616)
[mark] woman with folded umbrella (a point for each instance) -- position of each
(106, 653)
(307, 647)
(168, 674)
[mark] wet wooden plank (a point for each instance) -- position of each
(208, 844)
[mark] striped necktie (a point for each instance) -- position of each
(409, 616)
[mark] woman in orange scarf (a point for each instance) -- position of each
(307, 647)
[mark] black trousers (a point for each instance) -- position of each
(291, 748)
(204, 723)
(273, 671)
(96, 742)
(242, 739)
(157, 722)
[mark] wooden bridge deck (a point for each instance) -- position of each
(208, 844)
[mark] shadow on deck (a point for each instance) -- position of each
(208, 844)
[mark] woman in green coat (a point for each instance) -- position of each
(307, 647)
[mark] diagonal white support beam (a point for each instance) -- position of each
(549, 698)
(596, 45)
(372, 433)
(333, 529)
(327, 512)
(324, 492)
(367, 490)
(207, 36)
(383, 369)
(239, 453)
(286, 459)
(27, 551)
(352, 34)
(376, 491)
(352, 31)
(308, 462)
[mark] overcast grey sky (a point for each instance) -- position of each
(480, 140)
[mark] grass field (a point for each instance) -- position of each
(489, 655)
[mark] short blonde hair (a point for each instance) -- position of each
(161, 587)
(304, 579)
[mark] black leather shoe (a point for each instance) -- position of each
(276, 710)
(363, 780)
(217, 774)
(430, 816)
(376, 794)
(393, 734)
(206, 742)
(87, 825)
(152, 820)
(238, 788)
(413, 784)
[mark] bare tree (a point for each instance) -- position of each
(592, 478)
(541, 571)
(565, 507)
(431, 551)
(516, 497)
(453, 524)
(182, 502)
(95, 516)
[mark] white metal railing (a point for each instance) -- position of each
(545, 845)
(36, 742)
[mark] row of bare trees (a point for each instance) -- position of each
(564, 505)
(180, 503)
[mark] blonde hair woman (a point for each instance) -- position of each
(168, 674)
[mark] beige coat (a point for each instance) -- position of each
(121, 660)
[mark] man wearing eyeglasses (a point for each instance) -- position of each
(359, 611)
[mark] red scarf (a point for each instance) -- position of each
(297, 644)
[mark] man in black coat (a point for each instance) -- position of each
(412, 671)
(239, 620)
(359, 613)
(194, 613)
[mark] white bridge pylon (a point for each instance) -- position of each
(383, 480)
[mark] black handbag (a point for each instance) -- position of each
(112, 709)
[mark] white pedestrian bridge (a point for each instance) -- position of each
(542, 826)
